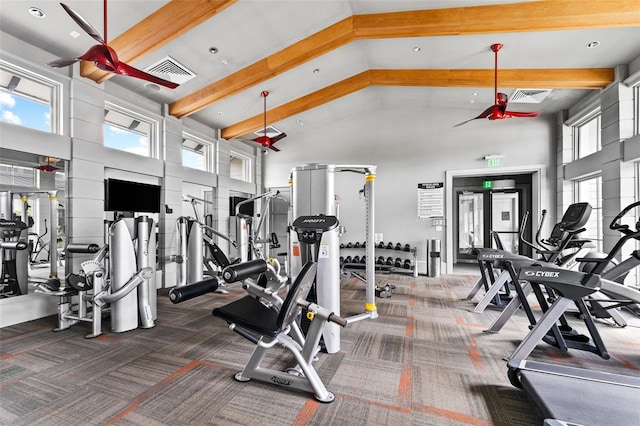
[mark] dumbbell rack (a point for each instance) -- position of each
(349, 250)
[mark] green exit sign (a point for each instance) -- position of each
(486, 184)
(493, 162)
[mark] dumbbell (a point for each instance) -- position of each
(407, 264)
(389, 261)
(356, 259)
(380, 260)
(398, 263)
(398, 246)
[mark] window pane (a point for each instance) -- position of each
(588, 137)
(25, 101)
(195, 153)
(240, 167)
(127, 133)
(16, 175)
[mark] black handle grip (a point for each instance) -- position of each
(82, 248)
(239, 272)
(338, 320)
(181, 294)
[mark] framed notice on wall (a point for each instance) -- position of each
(430, 200)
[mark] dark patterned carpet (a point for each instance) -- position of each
(424, 361)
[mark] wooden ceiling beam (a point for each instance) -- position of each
(502, 18)
(564, 78)
(312, 100)
(515, 17)
(298, 53)
(164, 25)
(559, 78)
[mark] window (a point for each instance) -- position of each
(590, 191)
(636, 109)
(17, 175)
(196, 153)
(127, 131)
(586, 137)
(240, 167)
(28, 99)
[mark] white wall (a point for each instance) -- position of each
(410, 146)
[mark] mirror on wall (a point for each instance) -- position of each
(32, 220)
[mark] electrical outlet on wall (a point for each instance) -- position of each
(378, 238)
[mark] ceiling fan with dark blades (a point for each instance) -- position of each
(265, 140)
(49, 165)
(498, 111)
(102, 55)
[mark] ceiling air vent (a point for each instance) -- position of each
(271, 132)
(170, 69)
(529, 96)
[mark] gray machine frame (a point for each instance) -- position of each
(129, 287)
(312, 193)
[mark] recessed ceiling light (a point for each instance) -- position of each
(38, 13)
(220, 112)
(213, 50)
(416, 49)
(475, 93)
(593, 44)
(225, 61)
(316, 71)
(300, 122)
(74, 34)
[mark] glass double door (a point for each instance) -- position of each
(485, 213)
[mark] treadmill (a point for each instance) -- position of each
(568, 395)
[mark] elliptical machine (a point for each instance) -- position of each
(13, 258)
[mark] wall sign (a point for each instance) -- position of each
(430, 200)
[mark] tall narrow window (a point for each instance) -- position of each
(240, 167)
(587, 137)
(590, 191)
(28, 99)
(130, 132)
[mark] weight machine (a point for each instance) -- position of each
(197, 250)
(121, 275)
(312, 193)
(248, 236)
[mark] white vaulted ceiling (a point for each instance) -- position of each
(366, 58)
